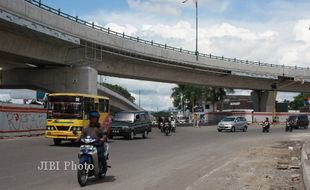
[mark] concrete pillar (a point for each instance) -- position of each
(262, 100)
(64, 79)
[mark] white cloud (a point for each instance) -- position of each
(127, 28)
(180, 30)
(154, 7)
(302, 31)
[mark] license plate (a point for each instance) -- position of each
(115, 131)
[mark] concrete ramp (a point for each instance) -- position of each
(117, 102)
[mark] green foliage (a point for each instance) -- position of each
(120, 90)
(298, 102)
(188, 95)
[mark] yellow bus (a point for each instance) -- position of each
(67, 114)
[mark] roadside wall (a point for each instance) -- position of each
(252, 117)
(21, 120)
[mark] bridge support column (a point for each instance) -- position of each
(65, 79)
(262, 100)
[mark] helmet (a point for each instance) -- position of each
(94, 114)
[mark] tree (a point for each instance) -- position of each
(218, 95)
(120, 90)
(193, 93)
(188, 94)
(298, 102)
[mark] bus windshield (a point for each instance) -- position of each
(65, 110)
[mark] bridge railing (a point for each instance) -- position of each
(39, 4)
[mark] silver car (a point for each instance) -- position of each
(232, 123)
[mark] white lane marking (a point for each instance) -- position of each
(203, 178)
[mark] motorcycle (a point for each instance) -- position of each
(161, 126)
(173, 126)
(289, 126)
(166, 128)
(266, 127)
(89, 163)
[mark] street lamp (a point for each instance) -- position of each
(196, 5)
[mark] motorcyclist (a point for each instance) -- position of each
(95, 130)
(266, 123)
(160, 120)
(172, 120)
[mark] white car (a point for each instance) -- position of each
(232, 124)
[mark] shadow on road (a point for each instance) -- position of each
(125, 139)
(106, 179)
(66, 144)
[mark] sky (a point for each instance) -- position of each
(274, 31)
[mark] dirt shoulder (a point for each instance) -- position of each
(274, 167)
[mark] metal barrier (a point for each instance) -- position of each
(76, 19)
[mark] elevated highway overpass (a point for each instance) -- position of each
(49, 46)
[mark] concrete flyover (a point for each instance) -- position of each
(36, 37)
(117, 101)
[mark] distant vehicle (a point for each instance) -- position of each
(129, 124)
(299, 121)
(232, 123)
(181, 119)
(154, 122)
(166, 126)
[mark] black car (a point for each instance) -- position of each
(299, 121)
(129, 124)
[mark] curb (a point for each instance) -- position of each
(305, 163)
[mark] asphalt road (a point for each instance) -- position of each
(180, 161)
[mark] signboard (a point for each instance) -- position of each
(234, 103)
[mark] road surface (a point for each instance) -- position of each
(183, 160)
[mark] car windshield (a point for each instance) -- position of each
(229, 119)
(64, 110)
(129, 117)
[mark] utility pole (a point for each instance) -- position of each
(196, 5)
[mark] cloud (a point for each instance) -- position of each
(144, 92)
(180, 30)
(127, 28)
(154, 7)
(301, 30)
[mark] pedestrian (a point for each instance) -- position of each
(195, 120)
